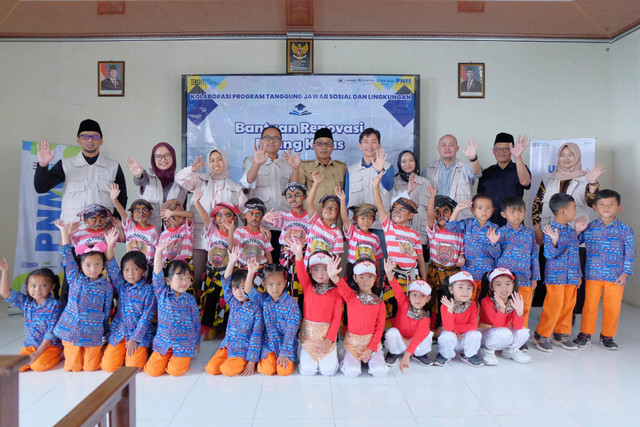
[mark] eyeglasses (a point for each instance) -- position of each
(165, 156)
(141, 210)
(271, 138)
(501, 149)
(86, 137)
(323, 144)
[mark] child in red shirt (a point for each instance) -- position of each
(410, 333)
(502, 318)
(459, 321)
(321, 313)
(366, 314)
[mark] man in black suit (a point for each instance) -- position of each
(471, 85)
(112, 82)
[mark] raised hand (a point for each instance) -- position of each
(252, 266)
(521, 144)
(62, 226)
(45, 156)
(432, 191)
(260, 154)
(198, 164)
(581, 224)
(293, 159)
(389, 265)
(448, 303)
(333, 268)
(462, 206)
(377, 179)
(595, 173)
(517, 303)
(412, 185)
(197, 196)
(134, 167)
(234, 255)
(552, 233)
(114, 191)
(271, 216)
(340, 193)
(378, 162)
(4, 266)
(112, 236)
(161, 246)
(471, 150)
(166, 214)
(493, 236)
(317, 177)
(296, 247)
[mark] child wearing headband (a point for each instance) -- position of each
(502, 318)
(85, 318)
(366, 314)
(459, 322)
(294, 225)
(322, 312)
(252, 243)
(403, 243)
(324, 235)
(410, 333)
(138, 232)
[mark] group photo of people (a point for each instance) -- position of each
(321, 267)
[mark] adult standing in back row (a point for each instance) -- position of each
(453, 177)
(505, 178)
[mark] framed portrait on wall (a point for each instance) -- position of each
(111, 78)
(471, 79)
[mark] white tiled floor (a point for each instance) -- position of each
(588, 387)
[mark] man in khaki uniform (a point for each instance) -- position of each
(334, 171)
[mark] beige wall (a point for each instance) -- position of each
(545, 90)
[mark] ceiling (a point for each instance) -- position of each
(562, 19)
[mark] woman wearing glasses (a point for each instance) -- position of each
(157, 184)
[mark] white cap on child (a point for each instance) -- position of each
(500, 272)
(319, 258)
(420, 286)
(364, 267)
(461, 276)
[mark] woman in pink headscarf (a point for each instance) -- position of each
(217, 187)
(157, 184)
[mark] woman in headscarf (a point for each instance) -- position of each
(569, 178)
(217, 187)
(408, 180)
(157, 184)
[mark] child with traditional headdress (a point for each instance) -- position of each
(366, 312)
(409, 334)
(324, 234)
(252, 243)
(403, 243)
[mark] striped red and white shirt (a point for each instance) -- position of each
(140, 239)
(362, 245)
(322, 237)
(403, 244)
(87, 237)
(253, 245)
(292, 226)
(180, 242)
(444, 246)
(218, 247)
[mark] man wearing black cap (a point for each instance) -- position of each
(334, 171)
(87, 177)
(505, 178)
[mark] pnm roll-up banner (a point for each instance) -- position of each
(38, 237)
(544, 158)
(229, 112)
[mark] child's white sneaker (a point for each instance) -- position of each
(488, 356)
(516, 355)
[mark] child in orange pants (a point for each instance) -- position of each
(131, 329)
(41, 312)
(610, 250)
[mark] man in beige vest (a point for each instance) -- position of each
(453, 177)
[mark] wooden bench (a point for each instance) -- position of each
(112, 404)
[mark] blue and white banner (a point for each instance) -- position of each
(544, 158)
(38, 237)
(229, 112)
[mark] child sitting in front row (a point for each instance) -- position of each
(178, 335)
(85, 318)
(281, 316)
(610, 251)
(519, 251)
(322, 314)
(410, 333)
(131, 330)
(459, 321)
(366, 314)
(239, 351)
(481, 247)
(562, 274)
(41, 312)
(502, 318)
